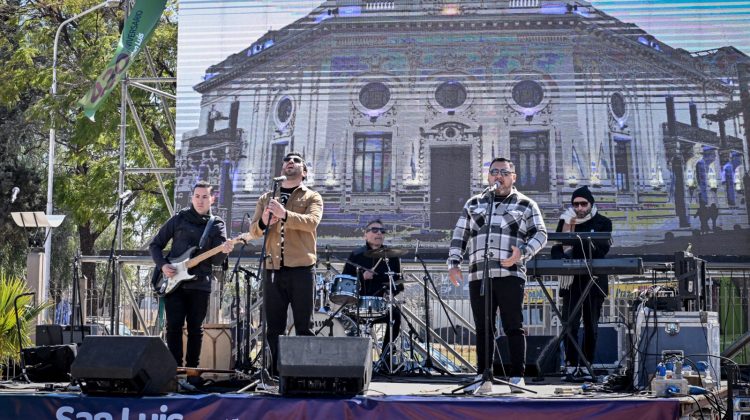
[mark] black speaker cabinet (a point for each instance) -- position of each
(49, 363)
(324, 365)
(49, 335)
(124, 365)
(76, 333)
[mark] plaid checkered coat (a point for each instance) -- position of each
(516, 221)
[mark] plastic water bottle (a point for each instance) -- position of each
(670, 368)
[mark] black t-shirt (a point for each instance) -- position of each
(284, 194)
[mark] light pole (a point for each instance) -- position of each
(51, 158)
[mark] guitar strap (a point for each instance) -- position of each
(205, 233)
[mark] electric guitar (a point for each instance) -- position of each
(165, 285)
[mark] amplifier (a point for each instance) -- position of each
(658, 332)
(49, 363)
(73, 334)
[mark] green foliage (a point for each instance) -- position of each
(10, 288)
(87, 154)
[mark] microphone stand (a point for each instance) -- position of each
(77, 312)
(114, 319)
(247, 321)
(240, 362)
(18, 327)
(486, 291)
(264, 375)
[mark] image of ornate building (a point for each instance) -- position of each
(399, 106)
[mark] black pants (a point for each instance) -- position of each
(186, 306)
(507, 295)
(281, 288)
(591, 310)
(396, 326)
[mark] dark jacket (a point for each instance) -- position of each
(598, 223)
(185, 230)
(379, 283)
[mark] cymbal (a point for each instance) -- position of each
(386, 252)
(404, 281)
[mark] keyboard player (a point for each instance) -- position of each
(582, 216)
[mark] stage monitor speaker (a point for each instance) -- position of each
(49, 335)
(324, 365)
(49, 363)
(136, 365)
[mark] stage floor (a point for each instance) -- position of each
(412, 398)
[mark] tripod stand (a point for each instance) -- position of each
(488, 378)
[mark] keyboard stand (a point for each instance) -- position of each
(553, 344)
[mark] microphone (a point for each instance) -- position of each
(281, 178)
(493, 187)
(14, 194)
(126, 194)
(416, 251)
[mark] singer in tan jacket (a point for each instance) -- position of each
(292, 217)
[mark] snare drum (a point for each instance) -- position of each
(344, 290)
(372, 307)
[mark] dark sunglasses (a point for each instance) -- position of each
(503, 172)
(377, 230)
(294, 159)
(580, 203)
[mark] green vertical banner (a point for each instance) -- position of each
(143, 18)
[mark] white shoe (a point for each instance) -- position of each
(519, 381)
(271, 386)
(477, 382)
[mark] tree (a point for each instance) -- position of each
(87, 161)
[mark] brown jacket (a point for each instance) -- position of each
(304, 211)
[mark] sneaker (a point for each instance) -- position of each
(477, 382)
(577, 375)
(572, 374)
(519, 381)
(269, 385)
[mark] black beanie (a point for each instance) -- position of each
(583, 192)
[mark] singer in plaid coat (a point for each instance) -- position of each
(516, 235)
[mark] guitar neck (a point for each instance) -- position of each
(208, 254)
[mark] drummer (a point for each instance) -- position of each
(374, 281)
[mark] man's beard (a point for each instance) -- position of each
(292, 173)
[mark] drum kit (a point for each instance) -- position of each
(341, 311)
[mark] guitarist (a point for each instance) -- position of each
(293, 217)
(188, 303)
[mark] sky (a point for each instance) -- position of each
(211, 30)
